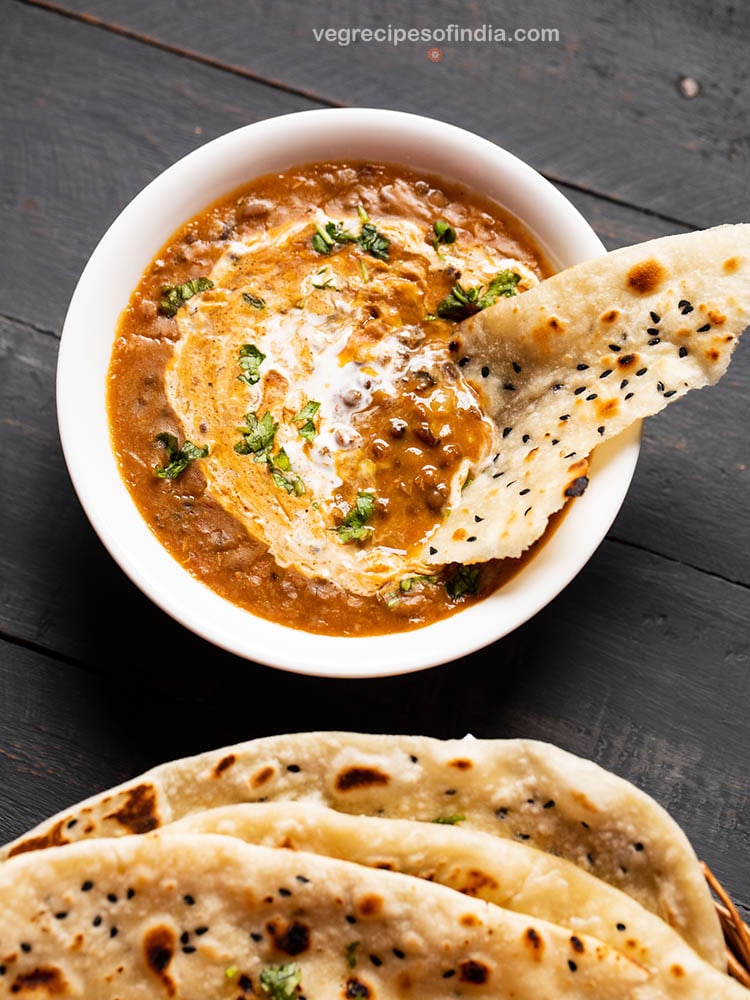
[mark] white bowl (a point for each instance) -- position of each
(115, 268)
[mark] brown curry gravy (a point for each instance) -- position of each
(209, 542)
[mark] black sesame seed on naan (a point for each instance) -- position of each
(502, 871)
(204, 915)
(578, 358)
(523, 790)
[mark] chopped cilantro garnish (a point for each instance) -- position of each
(354, 527)
(374, 242)
(338, 234)
(369, 239)
(464, 581)
(444, 233)
(258, 440)
(250, 360)
(463, 302)
(280, 982)
(333, 232)
(320, 245)
(320, 282)
(281, 472)
(178, 459)
(304, 420)
(351, 954)
(363, 269)
(450, 820)
(172, 297)
(254, 300)
(363, 216)
(257, 437)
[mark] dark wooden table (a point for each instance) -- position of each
(640, 113)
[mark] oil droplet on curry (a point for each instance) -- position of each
(287, 405)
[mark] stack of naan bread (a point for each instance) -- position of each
(339, 865)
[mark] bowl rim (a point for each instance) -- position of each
(105, 286)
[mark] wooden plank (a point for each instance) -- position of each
(689, 495)
(75, 154)
(88, 120)
(639, 665)
(57, 740)
(604, 107)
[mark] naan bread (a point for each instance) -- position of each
(580, 357)
(504, 872)
(204, 916)
(519, 789)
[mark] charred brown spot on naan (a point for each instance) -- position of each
(610, 316)
(223, 764)
(159, 944)
(533, 940)
(461, 764)
(292, 938)
(138, 813)
(607, 408)
(577, 487)
(356, 988)
(54, 838)
(261, 777)
(44, 980)
(583, 800)
(370, 905)
(475, 883)
(360, 777)
(474, 971)
(627, 361)
(404, 982)
(646, 277)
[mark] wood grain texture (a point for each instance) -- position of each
(602, 107)
(74, 154)
(89, 120)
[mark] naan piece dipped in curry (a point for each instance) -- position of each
(578, 359)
